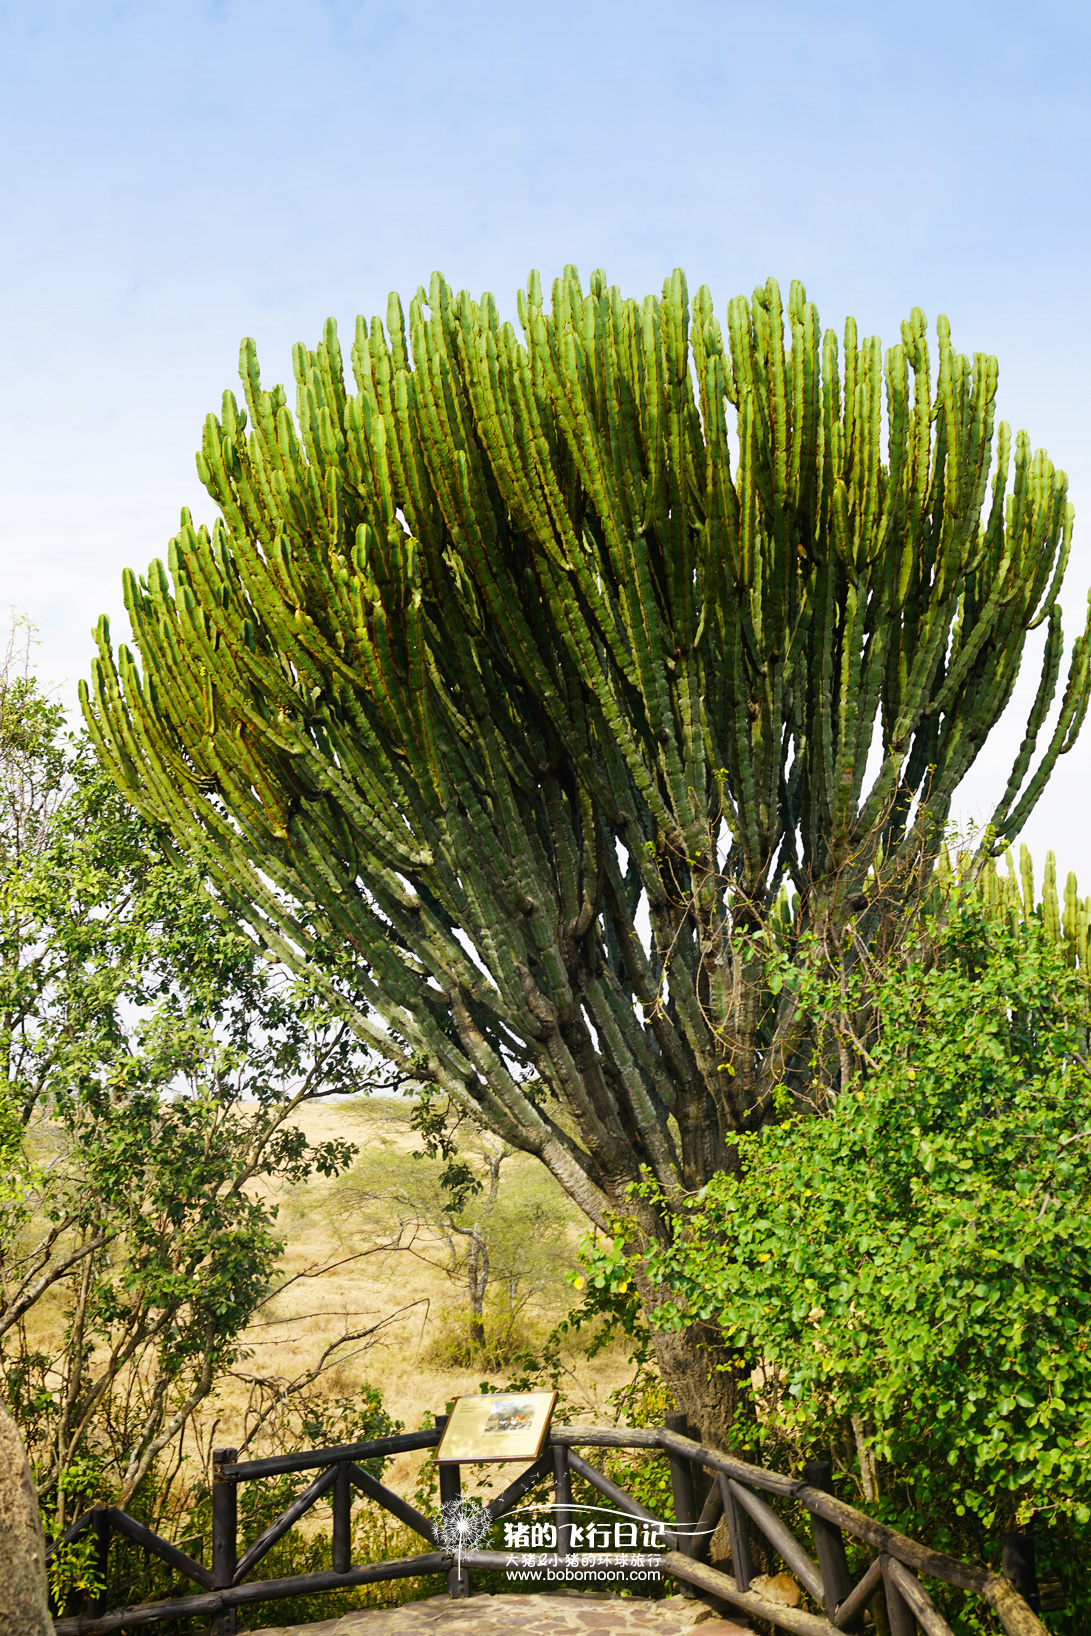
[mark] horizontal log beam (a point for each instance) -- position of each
(261, 1590)
(754, 1476)
(245, 1471)
(920, 1558)
(141, 1613)
(274, 1590)
(604, 1437)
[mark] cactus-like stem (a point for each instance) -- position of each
(513, 686)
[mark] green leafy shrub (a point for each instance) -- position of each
(499, 1340)
(151, 1065)
(912, 1272)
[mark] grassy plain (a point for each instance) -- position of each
(335, 1281)
(356, 1265)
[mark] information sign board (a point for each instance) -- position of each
(500, 1426)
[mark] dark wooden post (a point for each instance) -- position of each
(341, 1550)
(685, 1509)
(899, 1615)
(700, 1546)
(100, 1524)
(829, 1544)
(742, 1564)
(225, 1524)
(450, 1488)
(1019, 1566)
(562, 1493)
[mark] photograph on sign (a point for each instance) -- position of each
(500, 1426)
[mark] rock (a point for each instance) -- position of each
(779, 1588)
(24, 1606)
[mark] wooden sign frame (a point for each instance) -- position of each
(498, 1426)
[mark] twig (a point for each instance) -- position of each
(311, 1272)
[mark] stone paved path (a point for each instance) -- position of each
(573, 1614)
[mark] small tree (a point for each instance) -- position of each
(499, 1231)
(151, 1063)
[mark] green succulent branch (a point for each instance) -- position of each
(529, 692)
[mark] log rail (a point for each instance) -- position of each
(734, 1488)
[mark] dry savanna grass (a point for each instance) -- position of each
(370, 1294)
(336, 1281)
(367, 1256)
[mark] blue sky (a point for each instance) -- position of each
(178, 175)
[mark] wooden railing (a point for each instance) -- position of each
(734, 1488)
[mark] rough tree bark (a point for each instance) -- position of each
(24, 1598)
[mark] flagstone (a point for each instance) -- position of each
(581, 1613)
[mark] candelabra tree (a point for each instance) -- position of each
(541, 694)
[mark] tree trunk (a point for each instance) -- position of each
(24, 1609)
(478, 1280)
(710, 1383)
